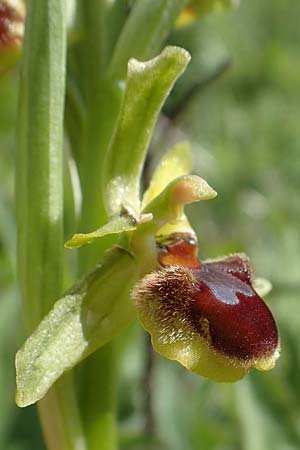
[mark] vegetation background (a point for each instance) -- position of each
(242, 117)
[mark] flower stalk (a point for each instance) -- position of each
(40, 197)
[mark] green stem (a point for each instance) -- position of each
(100, 21)
(39, 194)
(59, 416)
(98, 399)
(102, 96)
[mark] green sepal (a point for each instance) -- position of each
(168, 205)
(176, 163)
(148, 84)
(89, 315)
(117, 225)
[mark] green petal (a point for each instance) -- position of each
(117, 225)
(168, 205)
(85, 318)
(174, 164)
(148, 84)
(179, 225)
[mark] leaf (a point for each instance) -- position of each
(168, 205)
(115, 226)
(148, 84)
(175, 163)
(85, 318)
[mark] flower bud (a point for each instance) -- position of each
(12, 16)
(196, 9)
(210, 319)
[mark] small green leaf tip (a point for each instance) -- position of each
(115, 226)
(177, 56)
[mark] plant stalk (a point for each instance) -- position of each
(100, 22)
(39, 194)
(98, 79)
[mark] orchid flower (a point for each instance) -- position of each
(206, 315)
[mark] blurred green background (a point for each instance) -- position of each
(239, 104)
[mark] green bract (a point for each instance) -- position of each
(148, 84)
(86, 317)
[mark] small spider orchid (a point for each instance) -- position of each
(206, 315)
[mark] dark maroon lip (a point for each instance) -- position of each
(237, 265)
(225, 287)
(218, 301)
(240, 323)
